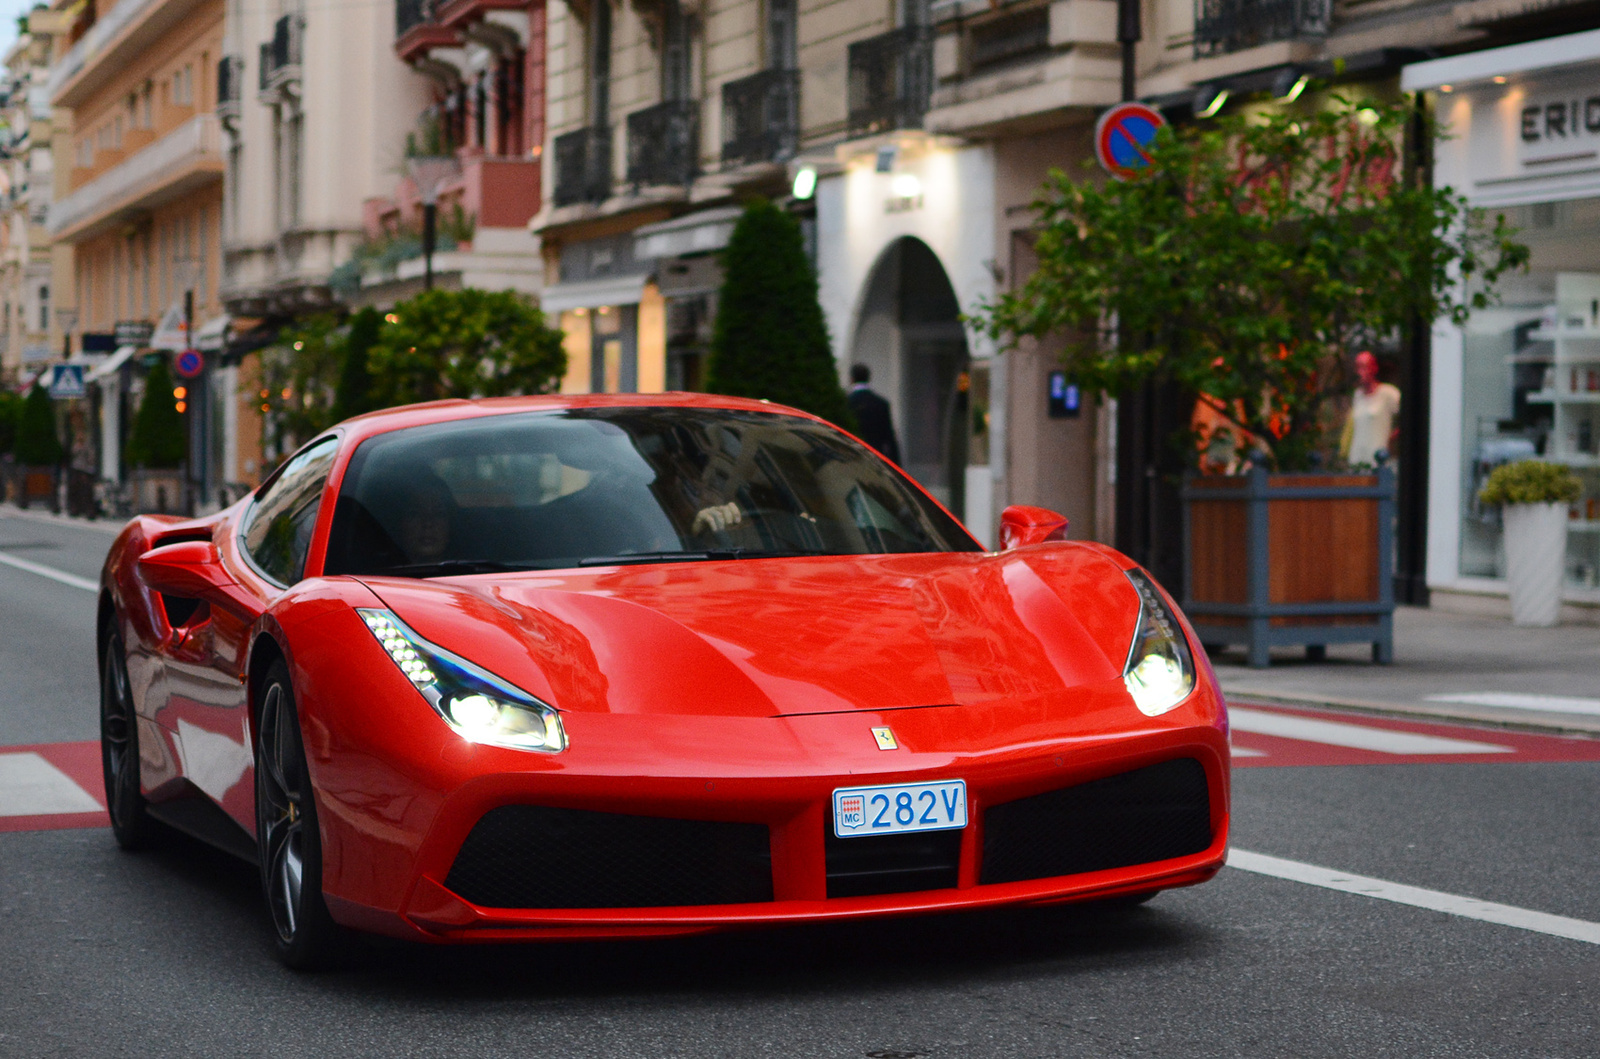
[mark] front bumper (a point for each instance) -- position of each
(397, 804)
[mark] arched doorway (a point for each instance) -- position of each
(909, 333)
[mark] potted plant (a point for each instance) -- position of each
(157, 444)
(1533, 496)
(37, 450)
(1245, 266)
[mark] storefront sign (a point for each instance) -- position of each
(134, 332)
(1562, 127)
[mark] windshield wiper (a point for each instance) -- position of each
(701, 555)
(447, 567)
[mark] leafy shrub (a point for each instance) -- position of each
(1531, 482)
(464, 343)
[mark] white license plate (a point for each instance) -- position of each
(940, 806)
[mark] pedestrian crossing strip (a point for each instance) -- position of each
(53, 786)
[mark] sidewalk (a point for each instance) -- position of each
(1447, 666)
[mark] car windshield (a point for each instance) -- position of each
(544, 490)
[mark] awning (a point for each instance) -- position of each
(693, 233)
(1549, 53)
(591, 294)
(212, 332)
(111, 364)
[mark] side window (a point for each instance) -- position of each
(277, 529)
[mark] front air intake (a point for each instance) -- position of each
(530, 856)
(1150, 814)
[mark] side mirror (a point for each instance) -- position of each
(193, 570)
(1021, 525)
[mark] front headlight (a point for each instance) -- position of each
(1160, 670)
(476, 703)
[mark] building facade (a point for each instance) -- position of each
(1523, 378)
(138, 194)
(474, 150)
(28, 327)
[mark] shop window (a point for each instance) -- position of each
(1531, 385)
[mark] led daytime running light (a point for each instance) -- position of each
(480, 706)
(1160, 670)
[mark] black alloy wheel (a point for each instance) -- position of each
(119, 747)
(288, 843)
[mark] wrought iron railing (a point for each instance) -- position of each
(663, 143)
(1011, 38)
(761, 117)
(583, 166)
(230, 85)
(280, 56)
(1222, 26)
(891, 77)
(408, 14)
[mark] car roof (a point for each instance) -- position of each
(389, 419)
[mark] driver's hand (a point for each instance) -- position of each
(717, 518)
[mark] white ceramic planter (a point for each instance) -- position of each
(1536, 547)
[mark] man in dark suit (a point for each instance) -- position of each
(872, 413)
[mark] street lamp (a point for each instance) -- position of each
(430, 173)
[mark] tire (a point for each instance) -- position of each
(119, 747)
(288, 842)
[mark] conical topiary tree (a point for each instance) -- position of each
(770, 339)
(159, 438)
(37, 443)
(10, 412)
(353, 395)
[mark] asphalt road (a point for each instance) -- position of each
(166, 952)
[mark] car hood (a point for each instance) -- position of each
(774, 637)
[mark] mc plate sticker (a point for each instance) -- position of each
(940, 806)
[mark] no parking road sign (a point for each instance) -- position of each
(1122, 138)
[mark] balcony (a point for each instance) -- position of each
(280, 58)
(124, 30)
(230, 88)
(761, 117)
(583, 166)
(663, 144)
(891, 77)
(1222, 26)
(186, 158)
(418, 29)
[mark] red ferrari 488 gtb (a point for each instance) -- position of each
(587, 667)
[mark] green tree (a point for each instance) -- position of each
(37, 443)
(1249, 262)
(10, 412)
(464, 343)
(770, 339)
(159, 437)
(353, 394)
(300, 374)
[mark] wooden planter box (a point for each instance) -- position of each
(34, 484)
(1290, 559)
(158, 492)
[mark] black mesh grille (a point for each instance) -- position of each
(528, 856)
(892, 864)
(1136, 817)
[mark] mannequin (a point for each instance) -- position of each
(1372, 425)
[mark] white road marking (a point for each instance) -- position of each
(1437, 900)
(1355, 736)
(1244, 751)
(51, 572)
(1513, 700)
(31, 786)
